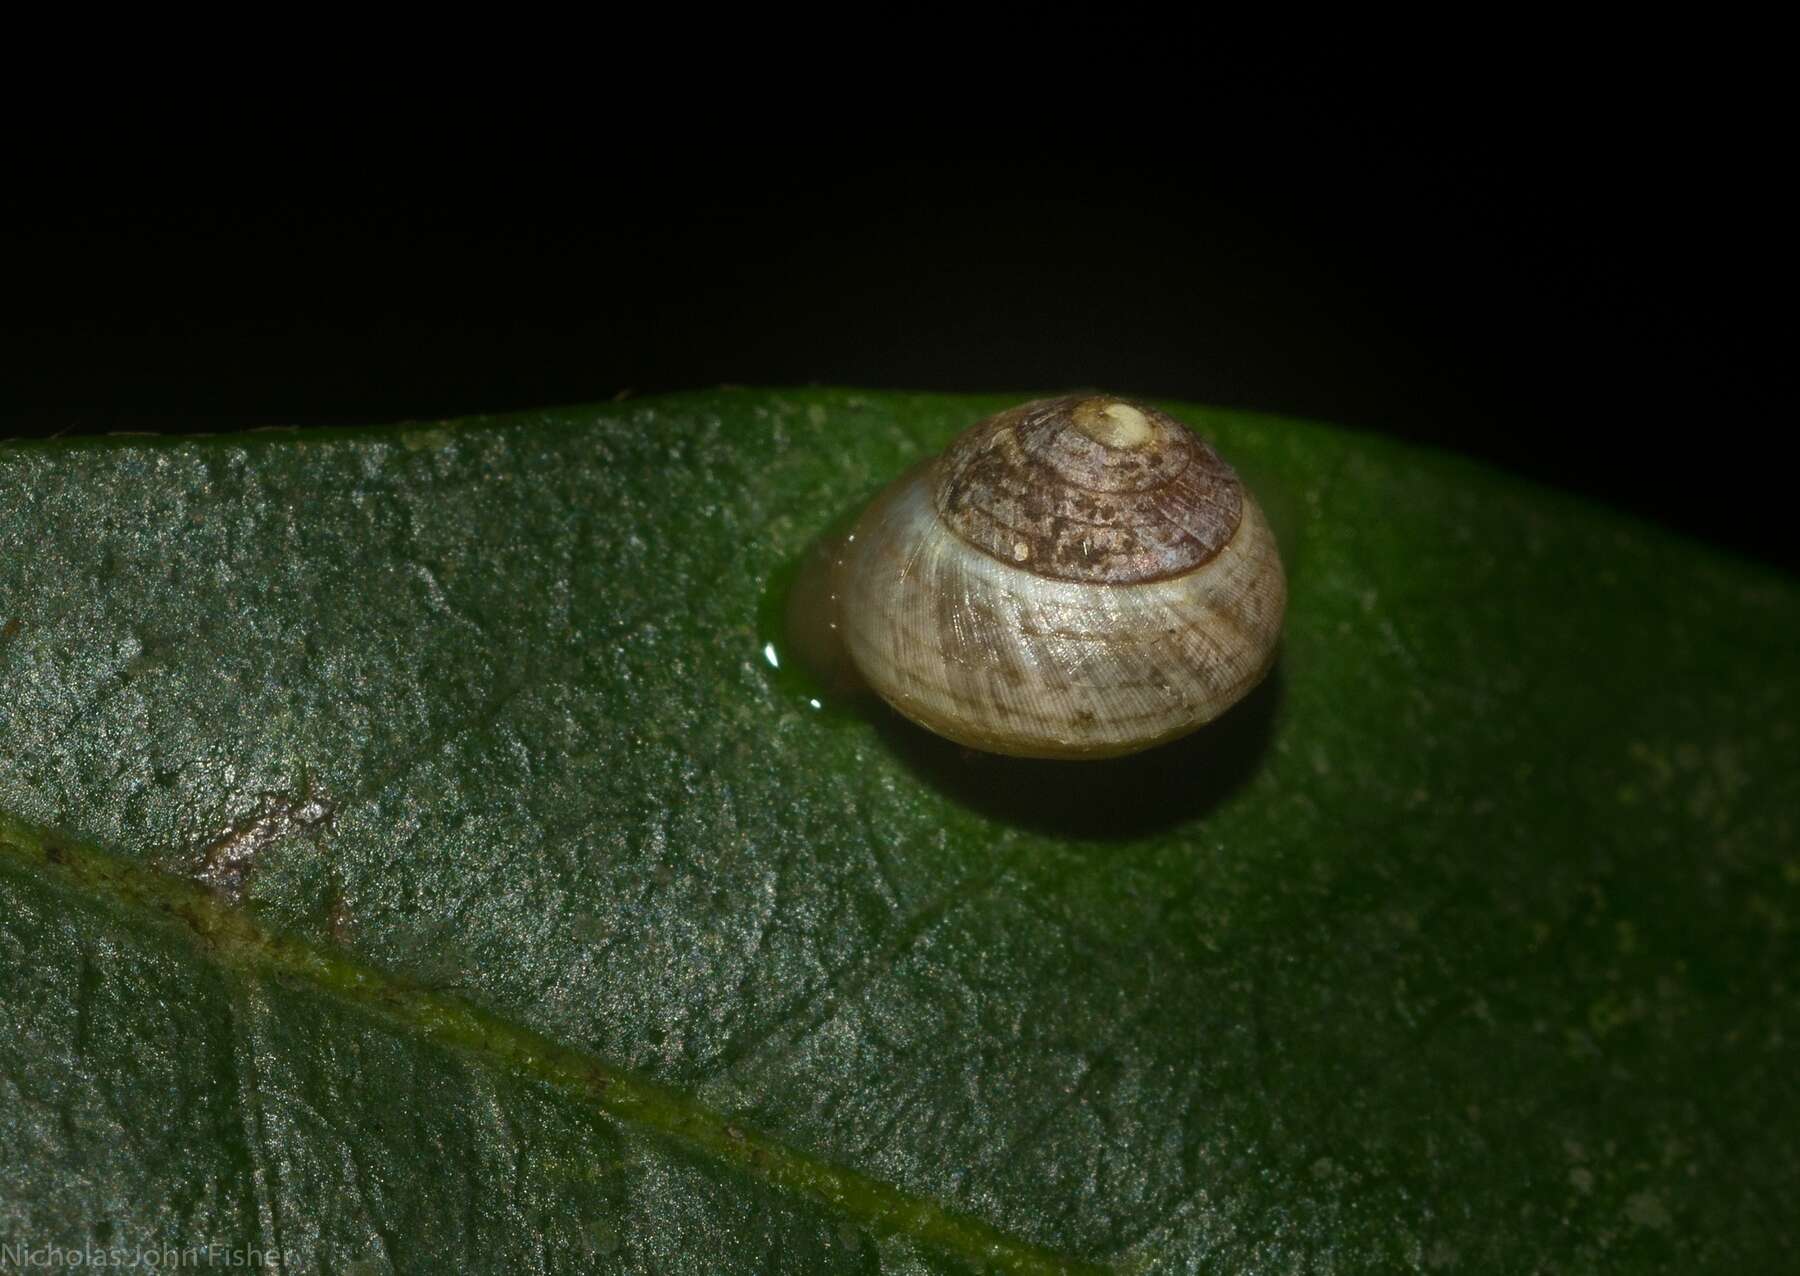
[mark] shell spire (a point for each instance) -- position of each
(1091, 489)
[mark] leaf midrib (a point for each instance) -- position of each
(226, 935)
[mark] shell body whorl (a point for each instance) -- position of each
(1076, 577)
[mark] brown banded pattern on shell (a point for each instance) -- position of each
(1089, 488)
(990, 650)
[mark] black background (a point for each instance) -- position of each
(1597, 304)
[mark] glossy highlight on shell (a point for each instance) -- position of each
(1077, 577)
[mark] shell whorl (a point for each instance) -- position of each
(1064, 581)
(1088, 489)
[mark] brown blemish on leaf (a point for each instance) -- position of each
(225, 862)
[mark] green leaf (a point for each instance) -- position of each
(410, 862)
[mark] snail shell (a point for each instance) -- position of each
(1077, 577)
